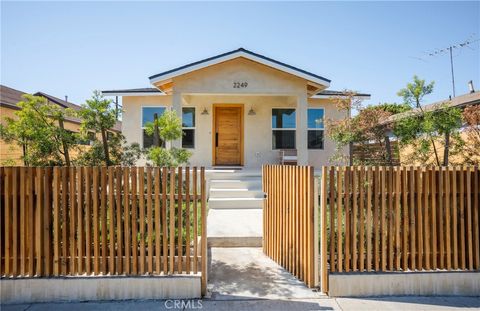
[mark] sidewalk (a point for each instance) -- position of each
(341, 304)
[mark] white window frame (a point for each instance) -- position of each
(283, 128)
(317, 128)
(191, 128)
(142, 128)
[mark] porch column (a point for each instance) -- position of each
(301, 134)
(177, 106)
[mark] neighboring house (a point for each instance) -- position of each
(9, 99)
(238, 109)
(460, 102)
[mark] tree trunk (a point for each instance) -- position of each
(350, 153)
(388, 146)
(156, 132)
(24, 151)
(105, 146)
(446, 151)
(64, 144)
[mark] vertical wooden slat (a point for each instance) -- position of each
(462, 220)
(8, 221)
(361, 232)
(172, 222)
(195, 221)
(369, 218)
(433, 186)
(332, 218)
(56, 221)
(469, 219)
(397, 173)
(179, 221)
(405, 218)
(65, 227)
(476, 219)
(80, 232)
(448, 250)
(103, 217)
(39, 224)
(22, 221)
(73, 220)
(149, 221)
(390, 216)
(164, 220)
(96, 234)
(15, 222)
(187, 219)
(134, 222)
(126, 219)
(419, 219)
(204, 230)
(426, 218)
(2, 220)
(346, 200)
(412, 218)
(119, 229)
(383, 220)
(141, 221)
(158, 239)
(454, 217)
(354, 218)
(441, 208)
(339, 220)
(88, 221)
(376, 218)
(323, 235)
(111, 218)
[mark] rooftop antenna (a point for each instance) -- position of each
(449, 50)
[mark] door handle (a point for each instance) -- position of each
(216, 139)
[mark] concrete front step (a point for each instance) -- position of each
(234, 228)
(235, 203)
(244, 183)
(235, 193)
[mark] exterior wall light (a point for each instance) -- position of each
(205, 112)
(251, 112)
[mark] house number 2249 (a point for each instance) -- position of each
(240, 85)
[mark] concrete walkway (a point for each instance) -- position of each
(246, 273)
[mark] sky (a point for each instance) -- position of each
(73, 48)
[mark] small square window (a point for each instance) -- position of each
(188, 117)
(149, 112)
(283, 118)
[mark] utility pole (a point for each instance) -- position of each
(451, 66)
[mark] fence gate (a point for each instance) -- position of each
(290, 225)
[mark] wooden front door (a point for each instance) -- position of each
(228, 136)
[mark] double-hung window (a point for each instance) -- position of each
(148, 116)
(316, 127)
(188, 127)
(283, 128)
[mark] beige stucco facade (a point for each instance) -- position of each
(267, 88)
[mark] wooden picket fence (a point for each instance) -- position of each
(59, 221)
(290, 226)
(401, 218)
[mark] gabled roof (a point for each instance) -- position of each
(241, 52)
(58, 101)
(9, 96)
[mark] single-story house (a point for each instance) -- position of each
(239, 108)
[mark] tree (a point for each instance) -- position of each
(169, 128)
(413, 95)
(35, 128)
(365, 131)
(98, 117)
